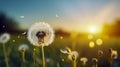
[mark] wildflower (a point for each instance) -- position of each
(5, 38)
(41, 34)
(23, 47)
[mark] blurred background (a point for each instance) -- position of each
(77, 23)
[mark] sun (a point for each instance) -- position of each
(92, 29)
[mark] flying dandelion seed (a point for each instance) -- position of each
(63, 60)
(66, 50)
(5, 38)
(99, 42)
(3, 26)
(83, 60)
(47, 60)
(18, 36)
(91, 44)
(41, 34)
(23, 47)
(23, 33)
(13, 40)
(61, 37)
(57, 16)
(22, 17)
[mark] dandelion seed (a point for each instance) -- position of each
(57, 16)
(23, 47)
(23, 33)
(5, 38)
(47, 60)
(18, 36)
(41, 34)
(66, 50)
(61, 37)
(13, 40)
(83, 60)
(3, 26)
(22, 17)
(63, 60)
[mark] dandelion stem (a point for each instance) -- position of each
(34, 58)
(74, 63)
(5, 55)
(23, 59)
(43, 57)
(58, 65)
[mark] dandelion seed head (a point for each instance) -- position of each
(5, 38)
(63, 60)
(73, 55)
(100, 53)
(23, 47)
(114, 54)
(84, 60)
(41, 34)
(94, 60)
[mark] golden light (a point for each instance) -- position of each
(99, 42)
(90, 36)
(92, 29)
(91, 44)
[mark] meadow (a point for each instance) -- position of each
(53, 56)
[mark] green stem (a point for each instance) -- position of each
(74, 63)
(34, 58)
(23, 59)
(58, 65)
(5, 55)
(43, 57)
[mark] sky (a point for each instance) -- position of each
(70, 15)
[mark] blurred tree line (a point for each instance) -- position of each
(112, 29)
(8, 24)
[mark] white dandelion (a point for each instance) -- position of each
(94, 61)
(83, 60)
(23, 47)
(5, 38)
(41, 34)
(114, 54)
(73, 55)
